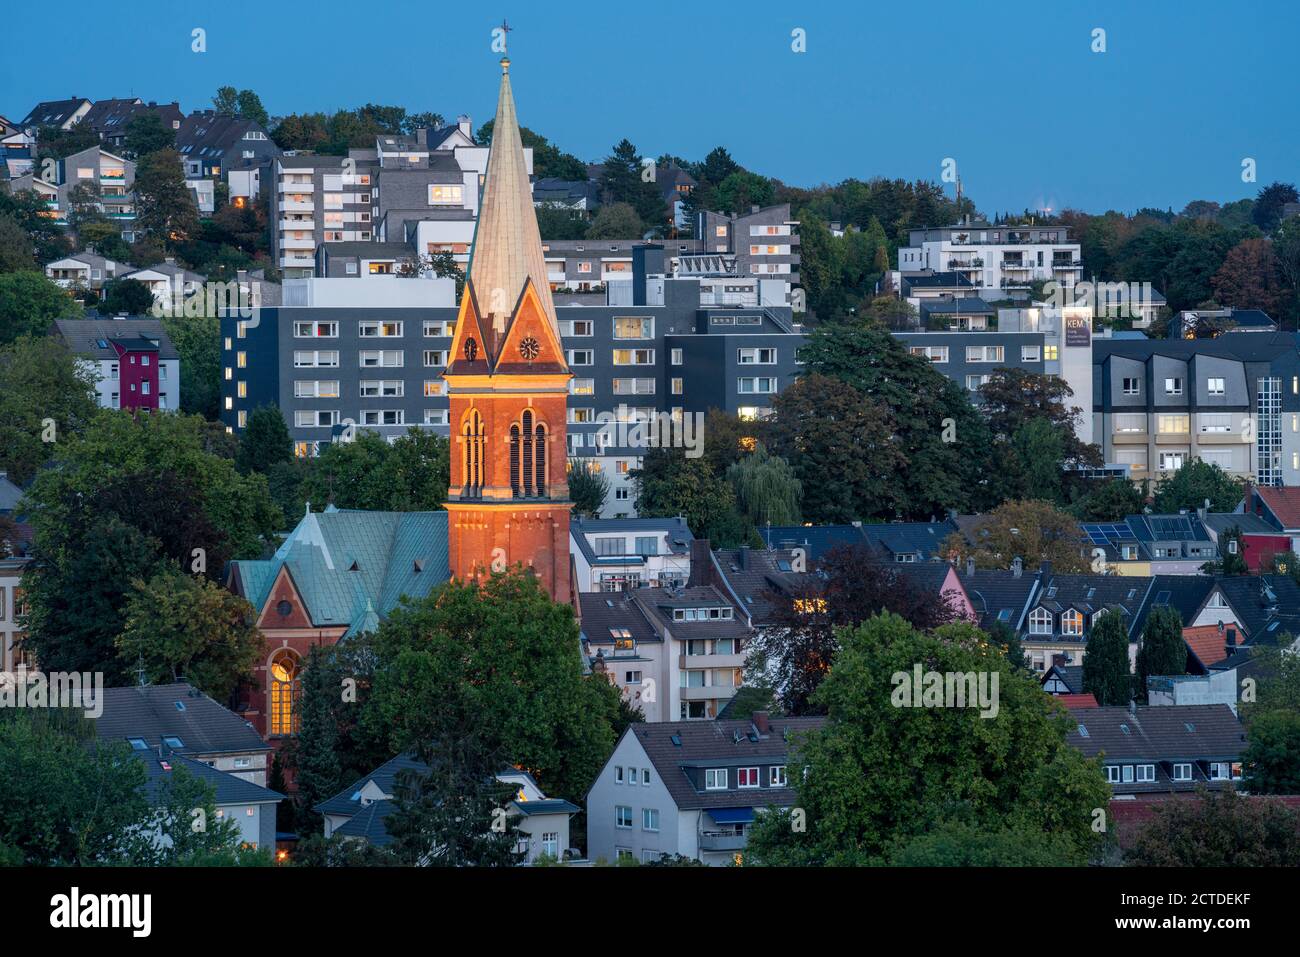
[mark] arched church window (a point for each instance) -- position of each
(283, 692)
(472, 435)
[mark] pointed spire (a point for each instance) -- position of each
(507, 243)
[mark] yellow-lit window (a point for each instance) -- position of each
(230, 373)
(432, 387)
(241, 359)
(243, 390)
(241, 331)
(230, 403)
(284, 693)
(243, 418)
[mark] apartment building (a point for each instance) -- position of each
(212, 143)
(967, 339)
(692, 789)
(764, 241)
(994, 257)
(420, 190)
(369, 352)
(108, 175)
(612, 555)
(85, 270)
(1233, 401)
(1155, 544)
(109, 119)
(135, 363)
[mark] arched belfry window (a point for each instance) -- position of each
(539, 457)
(528, 457)
(472, 434)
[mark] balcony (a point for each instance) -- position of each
(723, 841)
(697, 662)
(289, 242)
(297, 262)
(1129, 438)
(1018, 267)
(1222, 438)
(112, 177)
(297, 225)
(293, 206)
(285, 186)
(1075, 264)
(708, 693)
(965, 264)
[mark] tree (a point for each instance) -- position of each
(498, 656)
(616, 221)
(1032, 531)
(1267, 212)
(839, 443)
(147, 133)
(1013, 397)
(1194, 483)
(767, 492)
(1218, 829)
(242, 103)
(28, 209)
(265, 441)
(411, 474)
(197, 340)
(16, 251)
(165, 210)
(29, 304)
(793, 655)
(944, 440)
(127, 297)
(958, 844)
(181, 627)
(41, 385)
(1105, 661)
(1161, 650)
(881, 773)
(742, 190)
(454, 813)
(131, 495)
(1250, 278)
(1272, 756)
(319, 772)
(1107, 500)
(669, 484)
(623, 181)
(588, 488)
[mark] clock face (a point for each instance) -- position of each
(529, 348)
(471, 349)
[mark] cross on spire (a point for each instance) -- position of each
(505, 34)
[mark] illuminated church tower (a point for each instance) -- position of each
(507, 382)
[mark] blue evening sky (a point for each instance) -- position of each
(1011, 90)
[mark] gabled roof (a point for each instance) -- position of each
(1075, 702)
(1208, 645)
(1220, 522)
(52, 112)
(1284, 503)
(95, 337)
(348, 564)
(369, 823)
(815, 540)
(384, 777)
(757, 576)
(658, 604)
(671, 746)
(999, 596)
(178, 711)
(1069, 675)
(229, 788)
(1267, 606)
(1160, 733)
(214, 132)
(10, 494)
(604, 612)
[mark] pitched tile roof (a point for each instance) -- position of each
(83, 336)
(369, 823)
(603, 612)
(998, 595)
(1160, 733)
(674, 746)
(1069, 675)
(384, 777)
(757, 576)
(179, 711)
(1076, 701)
(1284, 503)
(350, 565)
(229, 788)
(1208, 644)
(1267, 606)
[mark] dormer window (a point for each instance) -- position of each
(715, 779)
(1040, 622)
(1072, 623)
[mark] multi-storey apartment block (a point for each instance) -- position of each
(994, 257)
(369, 353)
(108, 177)
(135, 362)
(1233, 401)
(765, 241)
(420, 190)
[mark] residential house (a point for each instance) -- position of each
(60, 114)
(169, 282)
(109, 119)
(692, 788)
(250, 806)
(1145, 545)
(135, 362)
(764, 241)
(360, 810)
(994, 257)
(1249, 535)
(612, 554)
(1145, 749)
(1279, 508)
(85, 270)
(178, 719)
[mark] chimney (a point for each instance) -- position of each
(464, 125)
(1133, 708)
(742, 556)
(754, 208)
(701, 560)
(1045, 571)
(970, 567)
(762, 722)
(1017, 566)
(1060, 660)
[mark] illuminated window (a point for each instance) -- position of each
(1072, 623)
(284, 692)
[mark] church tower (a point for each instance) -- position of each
(507, 383)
